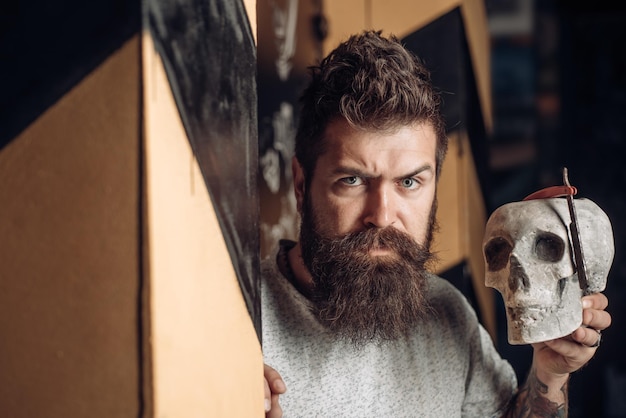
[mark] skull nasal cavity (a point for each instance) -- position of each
(518, 280)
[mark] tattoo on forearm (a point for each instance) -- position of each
(531, 401)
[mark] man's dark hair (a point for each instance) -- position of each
(375, 84)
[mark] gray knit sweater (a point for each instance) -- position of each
(447, 368)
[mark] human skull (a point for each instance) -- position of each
(529, 260)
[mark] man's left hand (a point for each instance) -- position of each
(568, 354)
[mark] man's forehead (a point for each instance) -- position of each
(340, 127)
(406, 146)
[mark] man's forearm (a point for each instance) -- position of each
(538, 399)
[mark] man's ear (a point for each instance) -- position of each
(298, 182)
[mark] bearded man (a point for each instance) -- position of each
(353, 323)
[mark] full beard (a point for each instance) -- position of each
(364, 298)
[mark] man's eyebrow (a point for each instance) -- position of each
(353, 171)
(425, 167)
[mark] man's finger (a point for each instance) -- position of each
(586, 336)
(274, 380)
(267, 395)
(595, 301)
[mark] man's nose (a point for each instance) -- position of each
(380, 208)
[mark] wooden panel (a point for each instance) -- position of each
(345, 17)
(462, 216)
(478, 40)
(402, 17)
(399, 17)
(473, 230)
(69, 253)
(206, 356)
(448, 243)
(250, 6)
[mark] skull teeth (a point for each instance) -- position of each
(530, 315)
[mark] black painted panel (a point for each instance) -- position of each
(210, 59)
(442, 44)
(47, 47)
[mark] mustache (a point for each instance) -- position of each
(361, 242)
(333, 260)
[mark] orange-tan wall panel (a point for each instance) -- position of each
(69, 252)
(399, 17)
(449, 246)
(344, 18)
(404, 17)
(250, 6)
(475, 20)
(474, 220)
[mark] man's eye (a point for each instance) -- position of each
(409, 183)
(352, 181)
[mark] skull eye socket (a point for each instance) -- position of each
(549, 247)
(497, 253)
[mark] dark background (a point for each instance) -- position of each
(559, 94)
